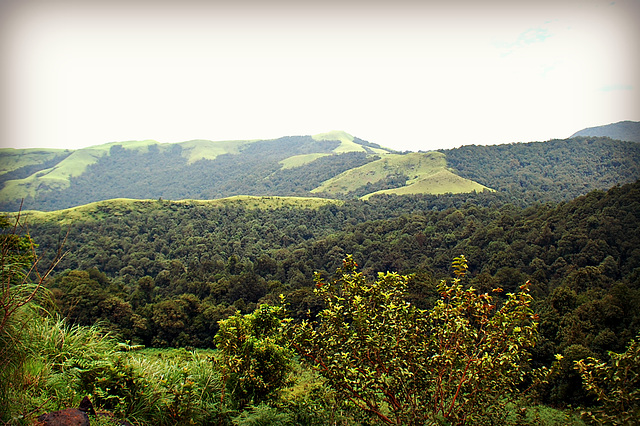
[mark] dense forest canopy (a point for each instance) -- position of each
(557, 170)
(164, 273)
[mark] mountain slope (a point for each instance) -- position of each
(195, 169)
(623, 131)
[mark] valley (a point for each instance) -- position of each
(195, 250)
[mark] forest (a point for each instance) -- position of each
(554, 285)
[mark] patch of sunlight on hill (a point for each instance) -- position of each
(442, 182)
(300, 160)
(208, 150)
(273, 202)
(142, 146)
(87, 212)
(346, 141)
(414, 165)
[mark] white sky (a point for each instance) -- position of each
(409, 75)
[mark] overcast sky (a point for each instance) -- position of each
(409, 75)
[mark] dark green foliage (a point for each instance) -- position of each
(169, 272)
(199, 262)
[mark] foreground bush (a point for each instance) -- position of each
(458, 363)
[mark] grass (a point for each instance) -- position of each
(426, 173)
(51, 365)
(208, 150)
(13, 159)
(441, 182)
(346, 141)
(119, 206)
(58, 177)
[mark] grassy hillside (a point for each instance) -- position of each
(59, 176)
(348, 143)
(422, 173)
(120, 206)
(441, 182)
(13, 159)
(300, 160)
(209, 150)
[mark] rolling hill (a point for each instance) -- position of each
(297, 166)
(328, 165)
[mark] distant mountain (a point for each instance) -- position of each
(622, 131)
(200, 169)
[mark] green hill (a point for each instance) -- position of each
(441, 182)
(418, 173)
(100, 210)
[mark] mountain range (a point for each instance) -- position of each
(330, 165)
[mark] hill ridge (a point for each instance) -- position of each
(623, 130)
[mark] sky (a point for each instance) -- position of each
(406, 74)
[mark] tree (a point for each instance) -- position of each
(458, 362)
(254, 359)
(616, 385)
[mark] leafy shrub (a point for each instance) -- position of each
(254, 359)
(458, 363)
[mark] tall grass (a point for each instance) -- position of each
(44, 358)
(50, 365)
